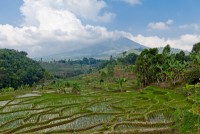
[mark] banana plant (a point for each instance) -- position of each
(120, 81)
(76, 88)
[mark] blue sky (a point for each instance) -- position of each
(9, 11)
(135, 18)
(31, 25)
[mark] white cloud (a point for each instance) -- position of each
(160, 25)
(87, 9)
(54, 26)
(15, 36)
(132, 2)
(184, 42)
(195, 27)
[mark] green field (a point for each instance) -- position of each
(151, 110)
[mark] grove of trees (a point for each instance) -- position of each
(152, 66)
(128, 59)
(16, 69)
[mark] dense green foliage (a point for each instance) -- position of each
(190, 123)
(16, 69)
(193, 72)
(128, 59)
(153, 67)
(196, 48)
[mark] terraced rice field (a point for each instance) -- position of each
(147, 112)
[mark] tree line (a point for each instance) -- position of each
(152, 66)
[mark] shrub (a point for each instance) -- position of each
(193, 75)
(8, 89)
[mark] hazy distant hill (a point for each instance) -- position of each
(104, 50)
(100, 50)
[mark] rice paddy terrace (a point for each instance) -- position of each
(146, 112)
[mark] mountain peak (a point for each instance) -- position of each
(99, 50)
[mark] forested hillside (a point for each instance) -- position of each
(17, 69)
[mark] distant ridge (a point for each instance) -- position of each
(101, 50)
(104, 50)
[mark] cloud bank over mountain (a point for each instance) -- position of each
(54, 26)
